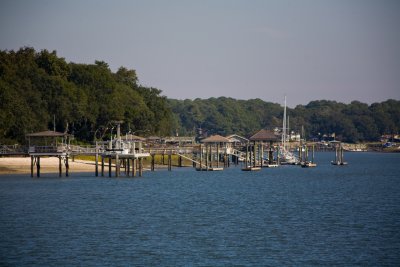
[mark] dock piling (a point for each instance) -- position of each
(38, 166)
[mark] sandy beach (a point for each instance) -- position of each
(48, 165)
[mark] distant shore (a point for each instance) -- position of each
(22, 165)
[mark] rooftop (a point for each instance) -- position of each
(265, 135)
(216, 139)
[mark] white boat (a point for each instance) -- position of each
(308, 164)
(284, 154)
(249, 169)
(273, 165)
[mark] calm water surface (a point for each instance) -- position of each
(285, 216)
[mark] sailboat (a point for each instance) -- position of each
(286, 156)
(339, 161)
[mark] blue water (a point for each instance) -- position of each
(288, 216)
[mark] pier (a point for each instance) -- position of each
(130, 156)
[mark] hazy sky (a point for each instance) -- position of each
(339, 50)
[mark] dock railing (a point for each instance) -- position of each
(13, 150)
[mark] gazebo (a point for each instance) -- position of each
(48, 144)
(258, 139)
(217, 142)
(47, 140)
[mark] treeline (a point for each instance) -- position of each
(354, 122)
(40, 91)
(40, 88)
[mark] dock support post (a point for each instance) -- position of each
(180, 161)
(32, 162)
(247, 156)
(152, 162)
(109, 167)
(38, 166)
(207, 158)
(211, 157)
(250, 156)
(102, 165)
(128, 166)
(133, 167)
(116, 165)
(201, 158)
(217, 155)
(254, 154)
(270, 153)
(66, 166)
(97, 164)
(59, 166)
(169, 161)
(140, 167)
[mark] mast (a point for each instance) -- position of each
(284, 126)
(288, 127)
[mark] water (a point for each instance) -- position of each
(328, 215)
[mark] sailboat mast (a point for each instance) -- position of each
(288, 127)
(284, 126)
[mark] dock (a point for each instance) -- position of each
(130, 156)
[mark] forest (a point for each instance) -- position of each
(40, 90)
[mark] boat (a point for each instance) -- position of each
(210, 169)
(273, 165)
(249, 168)
(285, 155)
(308, 164)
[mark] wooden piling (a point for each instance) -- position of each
(207, 157)
(217, 155)
(38, 166)
(102, 165)
(117, 165)
(270, 154)
(59, 166)
(97, 164)
(201, 158)
(169, 161)
(255, 156)
(32, 164)
(140, 167)
(133, 167)
(180, 161)
(247, 156)
(66, 166)
(152, 161)
(109, 167)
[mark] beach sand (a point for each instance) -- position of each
(47, 165)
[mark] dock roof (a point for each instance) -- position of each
(216, 139)
(265, 135)
(47, 134)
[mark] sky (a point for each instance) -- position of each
(340, 50)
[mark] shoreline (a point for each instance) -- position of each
(49, 165)
(22, 165)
